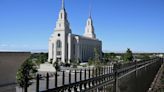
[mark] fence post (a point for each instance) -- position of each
(70, 77)
(89, 73)
(115, 78)
(89, 77)
(69, 90)
(75, 76)
(80, 74)
(99, 74)
(85, 77)
(37, 83)
(136, 68)
(63, 78)
(75, 87)
(56, 82)
(85, 74)
(96, 76)
(107, 72)
(80, 79)
(93, 73)
(47, 81)
(26, 83)
(105, 69)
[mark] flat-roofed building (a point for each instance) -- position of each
(9, 64)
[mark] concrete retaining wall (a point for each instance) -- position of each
(9, 64)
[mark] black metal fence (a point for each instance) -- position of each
(93, 79)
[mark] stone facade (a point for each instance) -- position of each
(65, 46)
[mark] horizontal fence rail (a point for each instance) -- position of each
(92, 79)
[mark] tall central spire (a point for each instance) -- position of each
(62, 22)
(90, 11)
(89, 29)
(63, 4)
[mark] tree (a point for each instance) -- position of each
(96, 59)
(56, 65)
(128, 56)
(26, 73)
(75, 62)
(143, 56)
(106, 56)
(90, 61)
(112, 56)
(96, 55)
(39, 58)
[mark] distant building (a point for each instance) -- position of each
(65, 46)
(9, 64)
(160, 55)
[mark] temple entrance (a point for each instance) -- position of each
(58, 59)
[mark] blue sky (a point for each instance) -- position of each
(26, 25)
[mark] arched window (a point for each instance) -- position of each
(58, 44)
(61, 16)
(52, 49)
(88, 22)
(59, 25)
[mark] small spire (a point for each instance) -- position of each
(90, 10)
(62, 4)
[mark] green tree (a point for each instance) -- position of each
(96, 55)
(90, 61)
(25, 73)
(112, 56)
(106, 56)
(56, 65)
(96, 61)
(39, 58)
(75, 62)
(143, 56)
(128, 56)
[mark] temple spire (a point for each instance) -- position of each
(90, 11)
(63, 4)
(89, 29)
(62, 22)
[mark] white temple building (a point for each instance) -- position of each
(65, 46)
